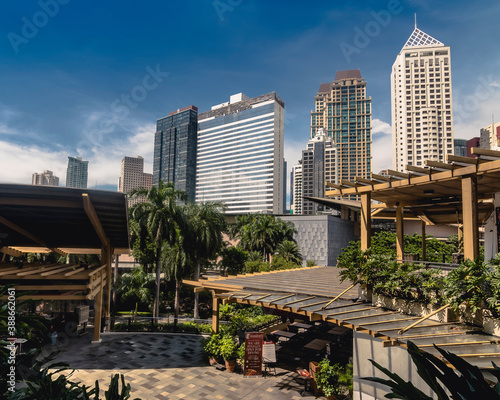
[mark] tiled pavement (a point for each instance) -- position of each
(170, 366)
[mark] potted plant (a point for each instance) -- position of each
(327, 379)
(212, 348)
(229, 351)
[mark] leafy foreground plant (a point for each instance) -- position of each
(467, 384)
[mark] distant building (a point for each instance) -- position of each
(175, 150)
(319, 165)
(344, 112)
(133, 177)
(240, 155)
(490, 137)
(422, 116)
(46, 178)
(474, 142)
(77, 173)
(322, 237)
(296, 196)
(460, 146)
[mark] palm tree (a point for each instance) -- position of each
(176, 263)
(206, 225)
(161, 215)
(290, 251)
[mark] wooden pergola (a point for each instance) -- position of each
(460, 191)
(41, 219)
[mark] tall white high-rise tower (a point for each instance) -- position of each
(422, 116)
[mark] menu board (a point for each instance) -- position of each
(253, 354)
(269, 352)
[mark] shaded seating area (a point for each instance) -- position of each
(43, 219)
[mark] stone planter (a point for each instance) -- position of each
(466, 315)
(365, 293)
(414, 308)
(491, 324)
(230, 365)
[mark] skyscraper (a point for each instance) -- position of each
(240, 154)
(296, 195)
(175, 150)
(344, 112)
(133, 177)
(319, 165)
(77, 173)
(422, 118)
(46, 178)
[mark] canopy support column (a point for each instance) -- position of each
(400, 233)
(470, 220)
(215, 312)
(424, 242)
(366, 221)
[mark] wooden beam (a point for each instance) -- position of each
(419, 170)
(470, 220)
(366, 221)
(334, 185)
(463, 160)
(98, 312)
(94, 218)
(398, 174)
(381, 178)
(345, 182)
(364, 181)
(439, 165)
(485, 152)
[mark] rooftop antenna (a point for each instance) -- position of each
(415, 20)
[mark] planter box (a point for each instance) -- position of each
(414, 308)
(491, 324)
(365, 293)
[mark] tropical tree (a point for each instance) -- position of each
(137, 285)
(206, 223)
(262, 233)
(176, 263)
(162, 216)
(290, 251)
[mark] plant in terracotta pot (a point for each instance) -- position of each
(327, 379)
(229, 351)
(212, 348)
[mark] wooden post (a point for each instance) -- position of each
(461, 238)
(215, 312)
(470, 221)
(366, 221)
(424, 242)
(106, 259)
(400, 233)
(98, 312)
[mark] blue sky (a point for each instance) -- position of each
(91, 78)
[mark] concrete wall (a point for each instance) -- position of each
(439, 231)
(395, 359)
(321, 237)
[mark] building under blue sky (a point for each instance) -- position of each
(91, 79)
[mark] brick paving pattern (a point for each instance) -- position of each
(170, 366)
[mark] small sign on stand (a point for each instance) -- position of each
(253, 354)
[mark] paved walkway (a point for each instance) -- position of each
(170, 366)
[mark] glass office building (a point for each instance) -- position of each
(240, 155)
(343, 110)
(175, 150)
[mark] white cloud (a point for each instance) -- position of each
(475, 108)
(381, 145)
(20, 162)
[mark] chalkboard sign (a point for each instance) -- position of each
(253, 354)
